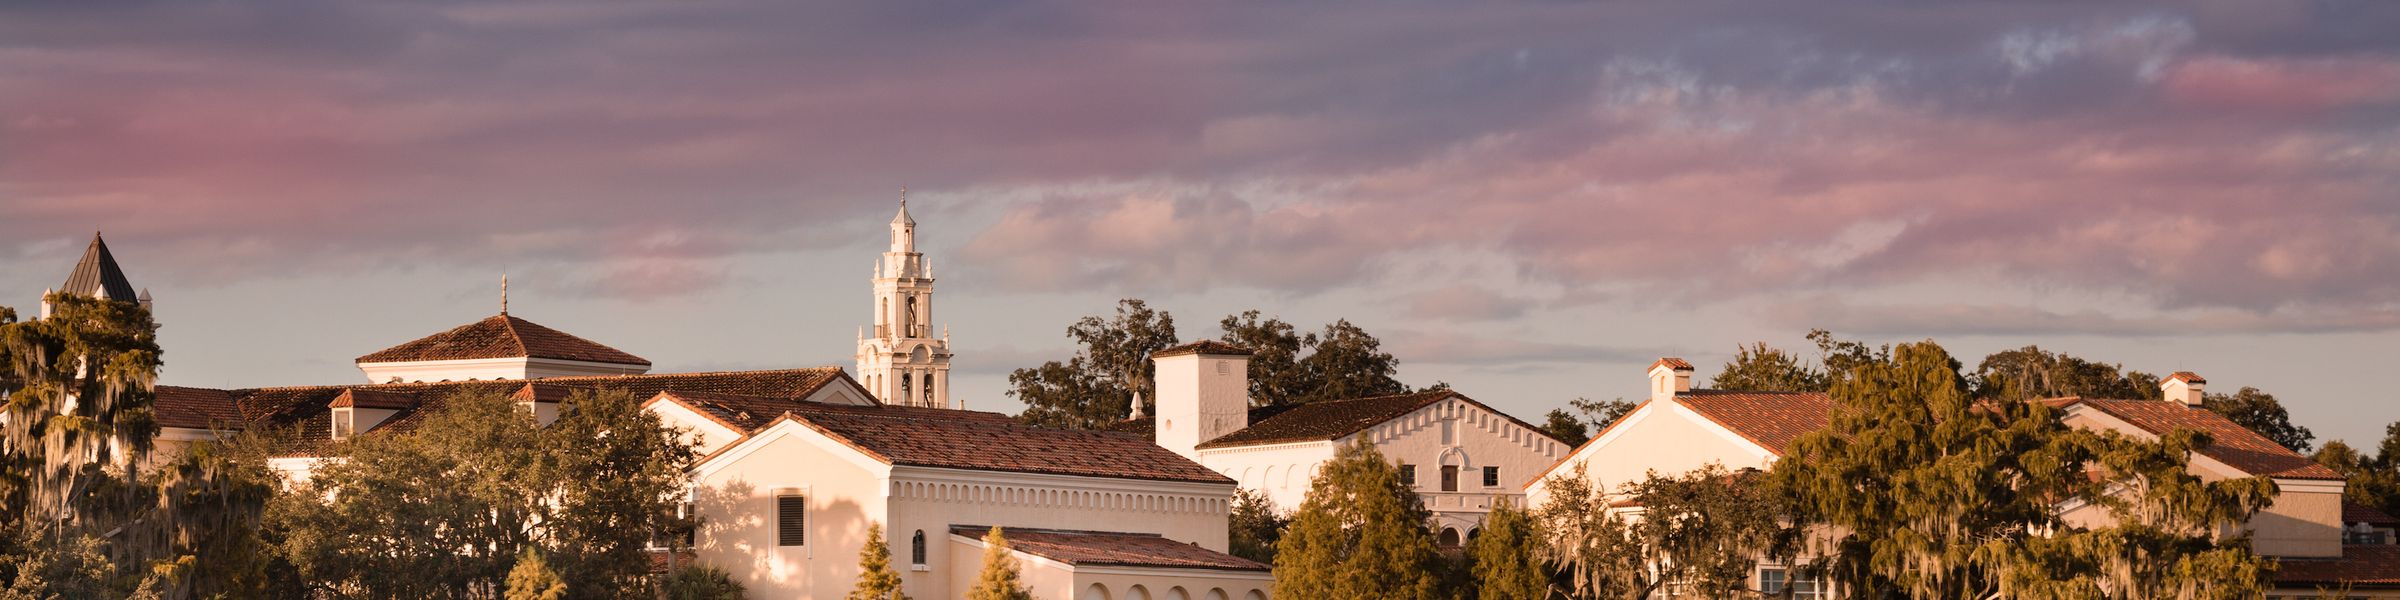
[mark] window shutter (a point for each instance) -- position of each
(791, 520)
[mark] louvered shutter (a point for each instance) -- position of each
(791, 520)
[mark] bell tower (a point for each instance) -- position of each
(903, 363)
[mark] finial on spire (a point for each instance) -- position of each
(503, 293)
(903, 196)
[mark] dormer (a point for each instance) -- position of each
(359, 411)
(539, 400)
(500, 347)
(2185, 387)
(1668, 377)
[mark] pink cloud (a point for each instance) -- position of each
(2293, 85)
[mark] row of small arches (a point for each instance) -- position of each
(1099, 591)
(1278, 476)
(990, 494)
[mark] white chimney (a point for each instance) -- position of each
(1203, 393)
(1668, 377)
(2185, 387)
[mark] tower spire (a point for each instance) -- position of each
(503, 293)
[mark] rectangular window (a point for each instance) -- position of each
(791, 520)
(1449, 478)
(1408, 474)
(1224, 367)
(1773, 581)
(1491, 477)
(342, 426)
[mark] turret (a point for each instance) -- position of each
(1203, 393)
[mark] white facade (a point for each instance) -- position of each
(903, 363)
(484, 369)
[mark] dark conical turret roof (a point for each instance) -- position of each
(97, 273)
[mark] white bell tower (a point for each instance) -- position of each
(903, 364)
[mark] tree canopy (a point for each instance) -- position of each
(1359, 534)
(999, 579)
(1757, 367)
(1701, 531)
(1095, 387)
(877, 580)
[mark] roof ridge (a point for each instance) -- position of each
(510, 322)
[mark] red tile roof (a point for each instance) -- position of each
(1671, 363)
(195, 408)
(2232, 444)
(2186, 376)
(933, 437)
(370, 398)
(503, 336)
(2353, 512)
(1110, 549)
(304, 409)
(1336, 419)
(2360, 566)
(1212, 347)
(1773, 420)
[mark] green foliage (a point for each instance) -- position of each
(1347, 362)
(702, 583)
(1564, 426)
(999, 579)
(2031, 373)
(532, 579)
(430, 512)
(2260, 412)
(1276, 376)
(1703, 530)
(1508, 562)
(1757, 367)
(2165, 543)
(2374, 480)
(79, 399)
(1095, 388)
(1359, 534)
(1255, 526)
(876, 578)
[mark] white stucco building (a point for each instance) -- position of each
(1461, 455)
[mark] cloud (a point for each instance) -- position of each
(1452, 348)
(1957, 319)
(1463, 302)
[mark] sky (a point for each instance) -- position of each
(1529, 201)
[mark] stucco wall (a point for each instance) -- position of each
(2303, 521)
(1281, 471)
(735, 498)
(1052, 579)
(1460, 434)
(933, 500)
(1663, 436)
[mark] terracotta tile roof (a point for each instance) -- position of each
(934, 437)
(196, 408)
(1202, 347)
(97, 272)
(1148, 426)
(304, 409)
(503, 336)
(2353, 512)
(1671, 363)
(2360, 566)
(1773, 420)
(2186, 376)
(372, 398)
(1333, 420)
(542, 393)
(1111, 549)
(2233, 444)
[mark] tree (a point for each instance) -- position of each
(1839, 357)
(1757, 367)
(532, 579)
(1255, 526)
(702, 583)
(876, 578)
(2165, 540)
(1347, 362)
(2030, 373)
(436, 510)
(1703, 530)
(1276, 375)
(1913, 479)
(2260, 412)
(1508, 561)
(999, 579)
(1097, 386)
(1601, 414)
(1564, 426)
(1359, 534)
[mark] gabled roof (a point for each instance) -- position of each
(98, 272)
(1773, 420)
(195, 408)
(2230, 443)
(503, 336)
(2361, 566)
(956, 439)
(1336, 419)
(303, 409)
(747, 413)
(372, 398)
(1209, 347)
(2353, 512)
(1112, 549)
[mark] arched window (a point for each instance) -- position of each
(928, 389)
(916, 548)
(1449, 538)
(905, 390)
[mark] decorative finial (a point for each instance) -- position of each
(504, 293)
(903, 196)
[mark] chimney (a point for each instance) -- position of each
(2185, 387)
(1668, 377)
(1203, 393)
